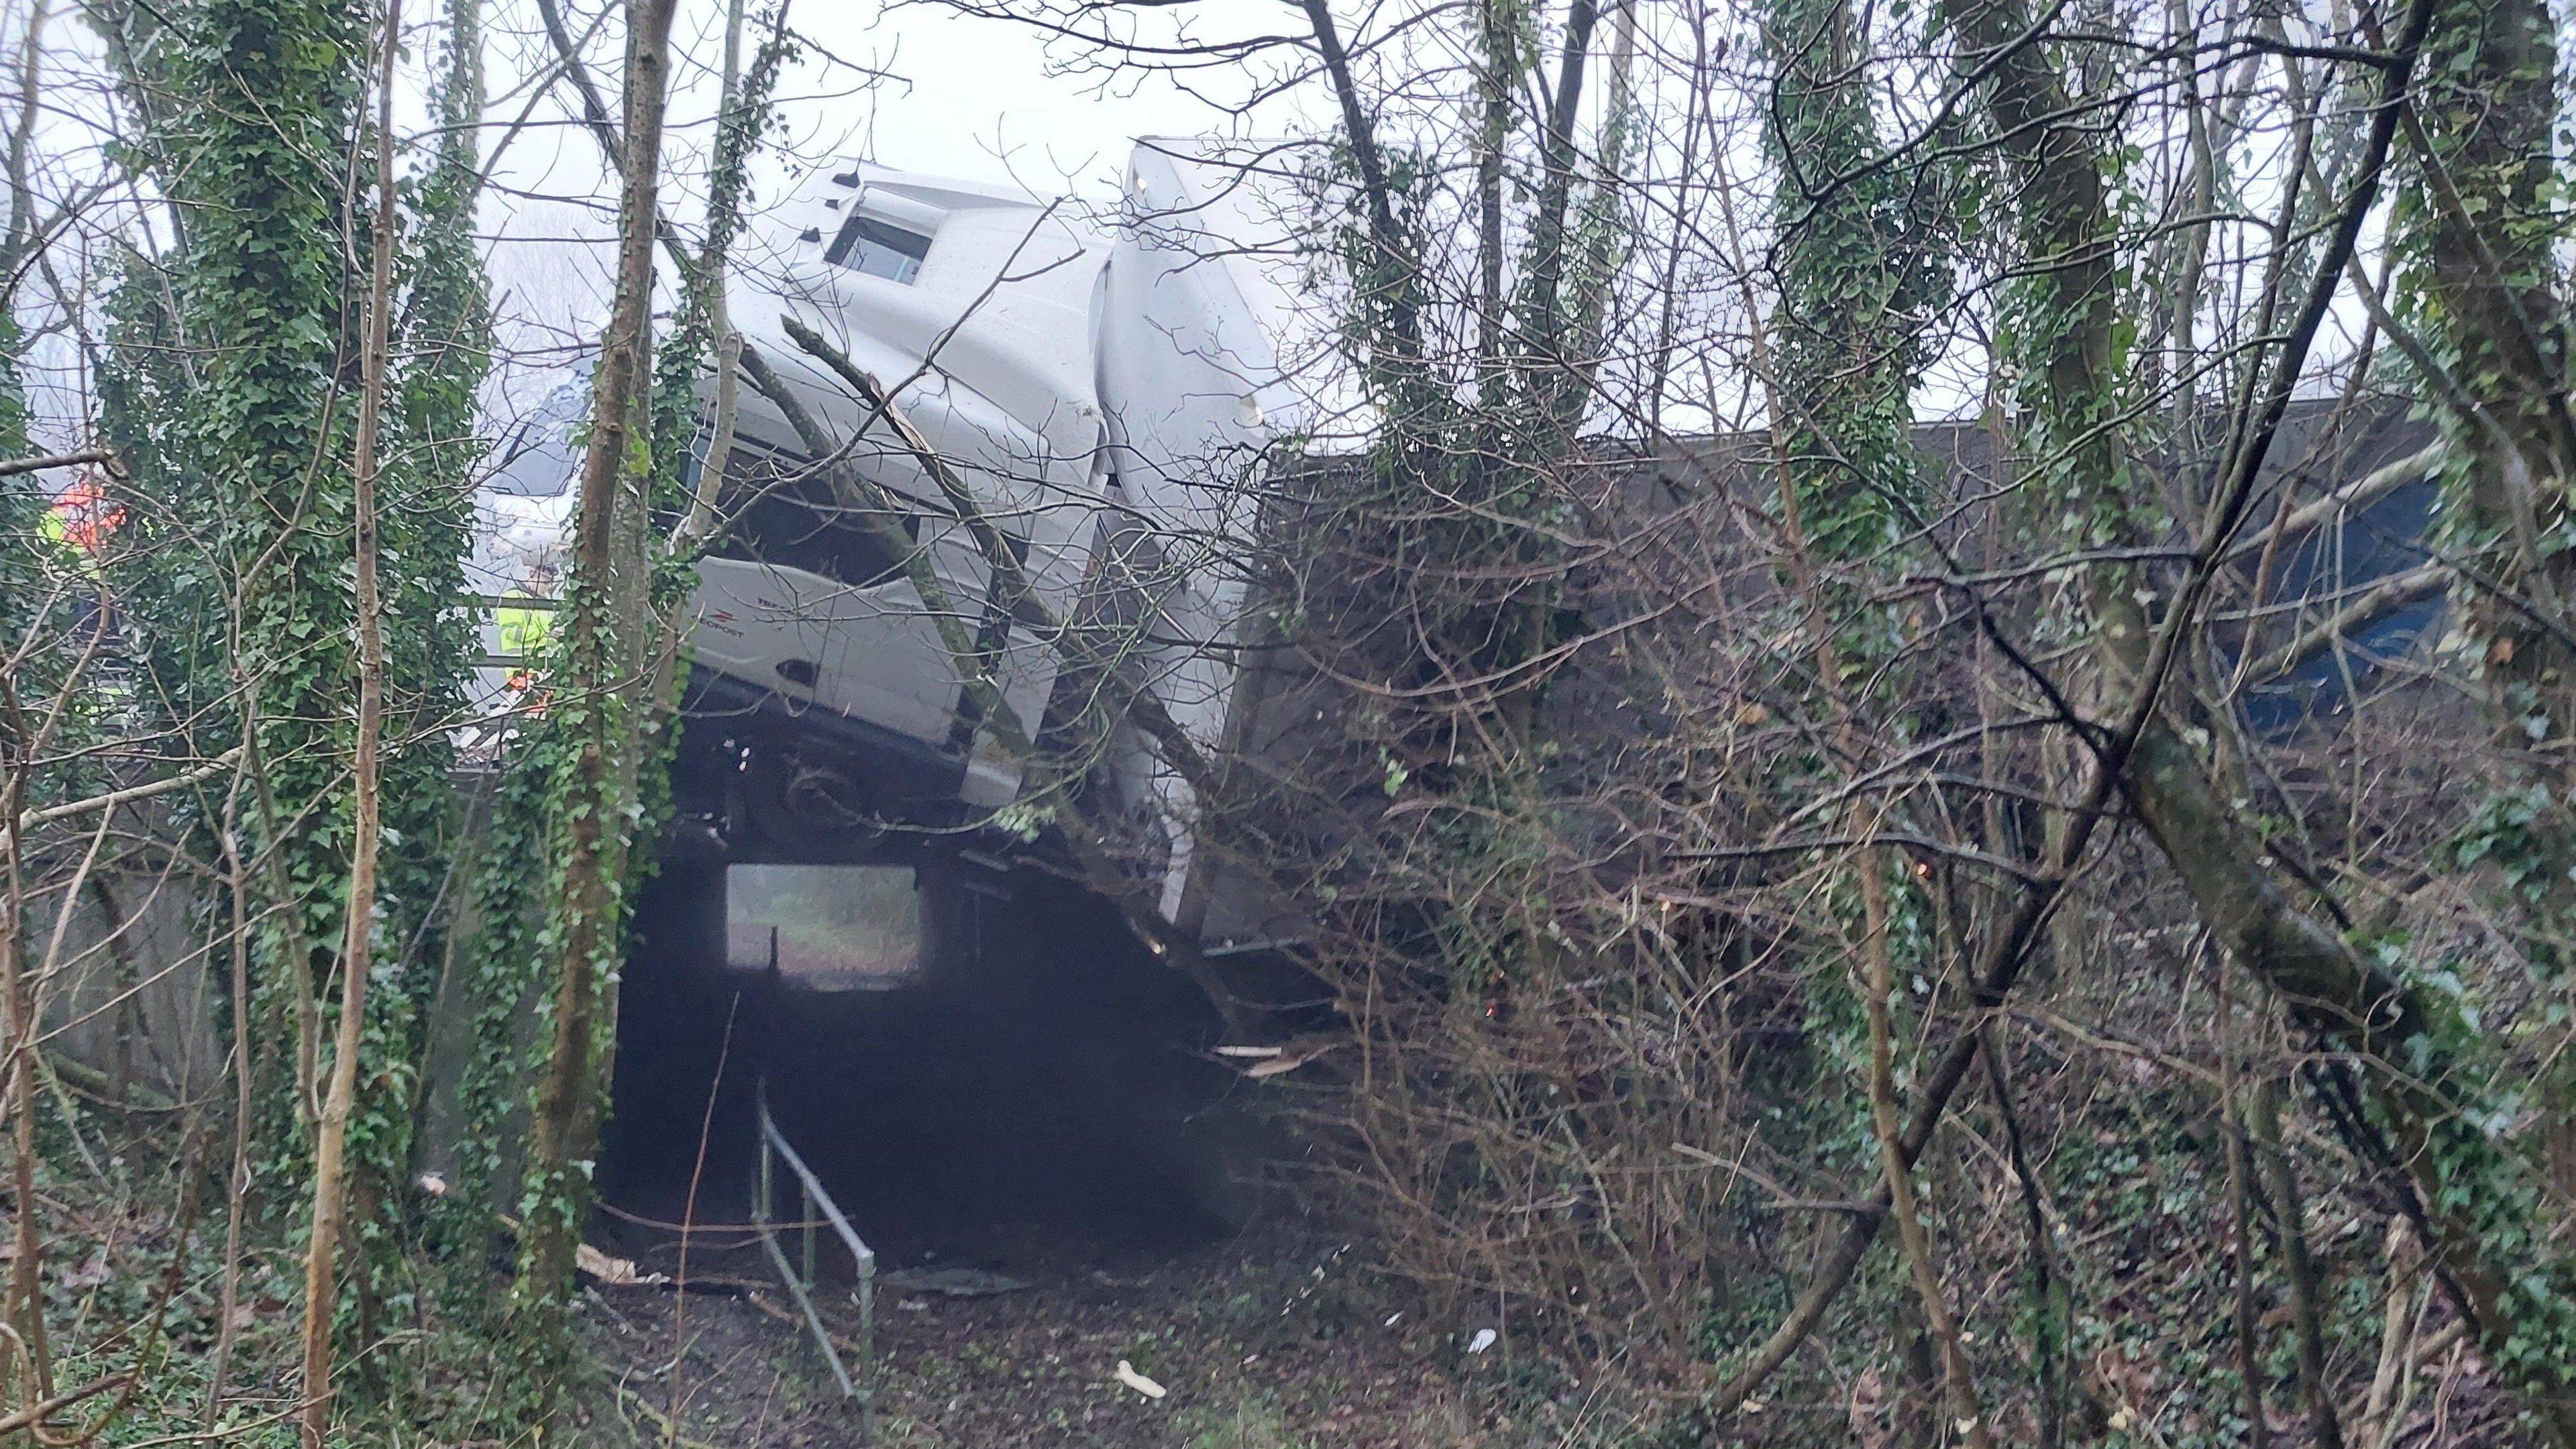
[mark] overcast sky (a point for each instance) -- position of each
(980, 100)
(912, 86)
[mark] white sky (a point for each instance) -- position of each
(980, 100)
(977, 99)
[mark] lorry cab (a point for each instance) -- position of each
(972, 307)
(1103, 384)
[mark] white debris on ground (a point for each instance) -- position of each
(1127, 1375)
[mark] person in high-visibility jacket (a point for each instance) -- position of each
(76, 531)
(526, 630)
(80, 523)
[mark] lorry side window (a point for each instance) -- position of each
(878, 248)
(544, 452)
(784, 514)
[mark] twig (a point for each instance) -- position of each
(331, 1131)
(37, 1413)
(1897, 1166)
(29, 820)
(841, 1341)
(2273, 1162)
(2392, 1384)
(669, 1426)
(15, 466)
(689, 1215)
(2050, 1310)
(2249, 1324)
(2394, 591)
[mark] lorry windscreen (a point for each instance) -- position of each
(781, 512)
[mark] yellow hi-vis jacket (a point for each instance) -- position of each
(525, 632)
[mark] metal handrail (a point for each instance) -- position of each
(801, 1288)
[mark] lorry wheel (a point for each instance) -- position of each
(799, 805)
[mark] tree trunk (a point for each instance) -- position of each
(26, 1306)
(2460, 1181)
(2484, 258)
(602, 696)
(331, 1137)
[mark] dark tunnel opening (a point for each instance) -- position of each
(1032, 1086)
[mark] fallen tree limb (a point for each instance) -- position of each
(2395, 591)
(38, 1412)
(95, 1086)
(2378, 484)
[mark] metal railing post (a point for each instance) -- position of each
(868, 1347)
(811, 1197)
(761, 1192)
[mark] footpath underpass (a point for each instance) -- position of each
(1016, 1106)
(986, 1066)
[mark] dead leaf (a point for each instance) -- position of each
(615, 1272)
(92, 1271)
(1867, 1408)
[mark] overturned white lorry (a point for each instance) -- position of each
(1108, 383)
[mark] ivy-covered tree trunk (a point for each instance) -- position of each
(602, 703)
(1844, 354)
(260, 91)
(443, 354)
(2478, 1203)
(2485, 222)
(22, 500)
(233, 388)
(431, 466)
(1844, 340)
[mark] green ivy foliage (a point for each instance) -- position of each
(430, 461)
(1862, 254)
(1860, 261)
(13, 393)
(502, 969)
(2482, 235)
(683, 359)
(446, 352)
(22, 500)
(229, 386)
(243, 456)
(2482, 227)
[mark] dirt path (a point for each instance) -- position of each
(1270, 1342)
